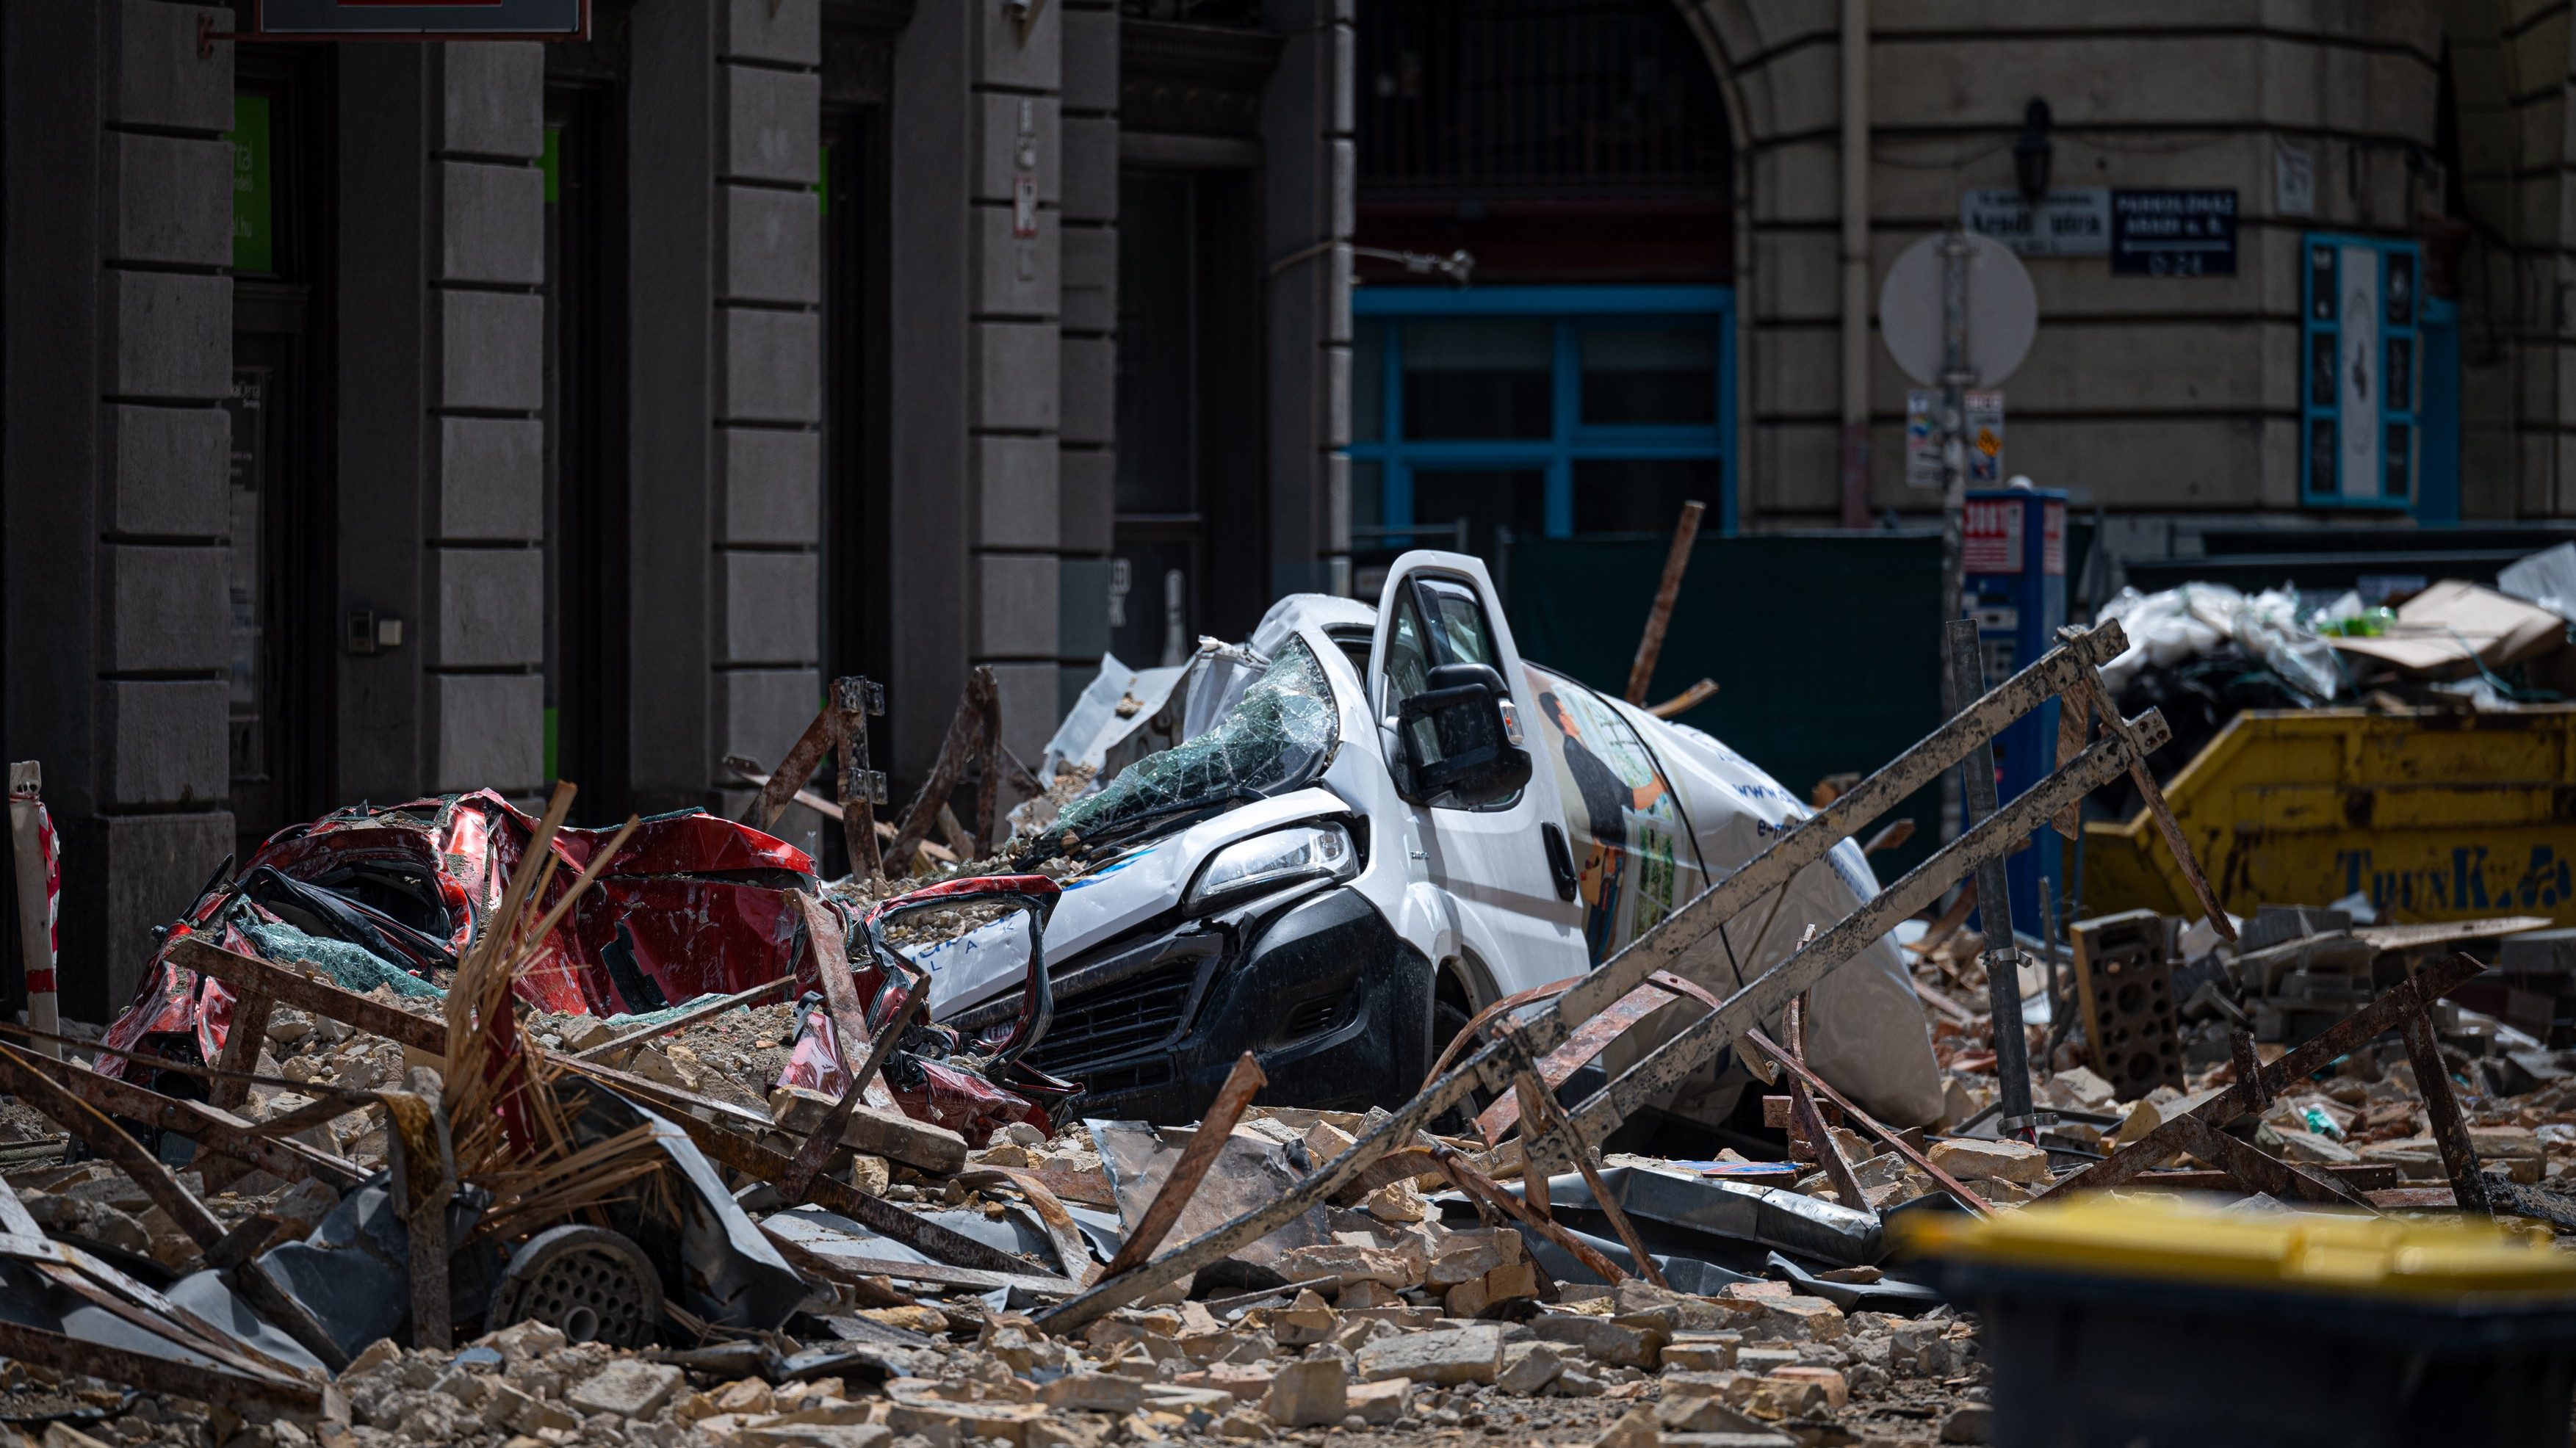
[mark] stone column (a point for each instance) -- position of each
(1087, 455)
(118, 361)
(1311, 171)
(726, 400)
(1030, 390)
(442, 347)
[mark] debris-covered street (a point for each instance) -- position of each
(1185, 723)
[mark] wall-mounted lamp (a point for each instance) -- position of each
(2033, 152)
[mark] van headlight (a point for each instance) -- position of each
(1300, 852)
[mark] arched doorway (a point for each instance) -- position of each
(1581, 379)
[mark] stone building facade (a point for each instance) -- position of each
(392, 418)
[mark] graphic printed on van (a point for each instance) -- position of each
(1633, 860)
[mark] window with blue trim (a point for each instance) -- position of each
(2361, 373)
(1540, 411)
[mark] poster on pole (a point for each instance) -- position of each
(1923, 438)
(1985, 428)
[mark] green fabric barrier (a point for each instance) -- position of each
(1825, 648)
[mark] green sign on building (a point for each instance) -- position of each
(253, 213)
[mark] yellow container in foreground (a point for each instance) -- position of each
(2434, 815)
(2174, 1240)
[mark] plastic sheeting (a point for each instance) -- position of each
(2184, 623)
(1277, 737)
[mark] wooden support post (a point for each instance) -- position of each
(1641, 673)
(1186, 1174)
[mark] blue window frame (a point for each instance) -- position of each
(1550, 409)
(2361, 372)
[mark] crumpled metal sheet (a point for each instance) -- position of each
(692, 905)
(353, 1270)
(1248, 1172)
(1740, 1212)
(927, 1089)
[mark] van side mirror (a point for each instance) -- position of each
(1459, 741)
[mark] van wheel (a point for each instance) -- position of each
(1451, 1009)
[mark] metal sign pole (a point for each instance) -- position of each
(1955, 381)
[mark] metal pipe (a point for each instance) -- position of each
(1855, 257)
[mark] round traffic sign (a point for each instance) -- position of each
(2003, 311)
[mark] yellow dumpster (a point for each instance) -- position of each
(2433, 815)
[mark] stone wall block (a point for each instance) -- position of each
(1090, 390)
(1004, 144)
(491, 479)
(759, 712)
(168, 741)
(172, 468)
(174, 200)
(1091, 58)
(1017, 596)
(773, 246)
(772, 124)
(1082, 608)
(491, 351)
(493, 99)
(486, 731)
(161, 80)
(172, 608)
(1007, 56)
(1090, 169)
(171, 335)
(1017, 491)
(492, 224)
(491, 607)
(773, 366)
(1030, 698)
(1089, 477)
(1015, 376)
(766, 608)
(771, 487)
(1015, 275)
(783, 32)
(153, 866)
(1090, 269)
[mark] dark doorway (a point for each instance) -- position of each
(1191, 551)
(585, 472)
(279, 492)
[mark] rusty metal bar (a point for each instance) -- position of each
(2406, 998)
(791, 773)
(861, 788)
(2259, 1171)
(964, 731)
(1480, 1187)
(1997, 834)
(1182, 1182)
(1869, 1125)
(1802, 1103)
(1552, 1113)
(2145, 779)
(2442, 1109)
(1687, 932)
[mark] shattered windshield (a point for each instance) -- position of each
(1278, 736)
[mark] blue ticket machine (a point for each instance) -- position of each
(2013, 562)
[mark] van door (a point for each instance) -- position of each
(1504, 863)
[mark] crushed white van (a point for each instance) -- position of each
(1388, 821)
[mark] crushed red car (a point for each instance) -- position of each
(690, 906)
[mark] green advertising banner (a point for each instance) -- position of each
(253, 214)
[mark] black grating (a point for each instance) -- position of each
(1134, 1015)
(1537, 97)
(1312, 1018)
